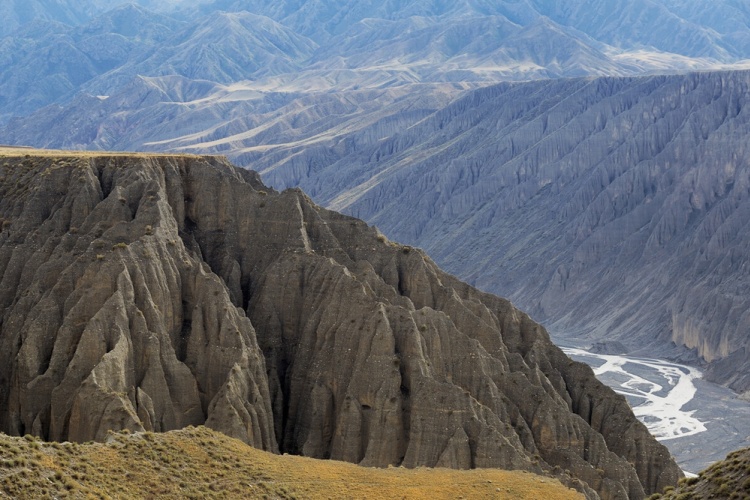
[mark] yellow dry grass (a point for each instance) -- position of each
(200, 463)
(728, 478)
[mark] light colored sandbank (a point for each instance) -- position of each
(659, 404)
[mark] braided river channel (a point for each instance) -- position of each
(698, 421)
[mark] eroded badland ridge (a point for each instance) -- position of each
(155, 292)
(608, 208)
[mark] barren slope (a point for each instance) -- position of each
(608, 208)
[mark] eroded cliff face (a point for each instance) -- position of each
(108, 321)
(157, 292)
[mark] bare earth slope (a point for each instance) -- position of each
(155, 292)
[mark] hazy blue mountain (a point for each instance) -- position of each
(17, 13)
(137, 110)
(51, 61)
(636, 23)
(130, 21)
(56, 61)
(65, 47)
(20, 13)
(159, 113)
(222, 47)
(489, 48)
(693, 28)
(321, 20)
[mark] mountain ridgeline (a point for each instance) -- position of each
(611, 208)
(156, 292)
(51, 52)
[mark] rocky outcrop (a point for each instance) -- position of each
(728, 478)
(154, 292)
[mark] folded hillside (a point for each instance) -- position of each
(613, 208)
(200, 463)
(150, 293)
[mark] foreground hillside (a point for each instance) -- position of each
(200, 463)
(729, 478)
(150, 293)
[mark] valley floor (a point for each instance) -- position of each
(698, 421)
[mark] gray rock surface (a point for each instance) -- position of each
(153, 292)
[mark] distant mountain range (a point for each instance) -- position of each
(696, 29)
(17, 15)
(53, 50)
(51, 61)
